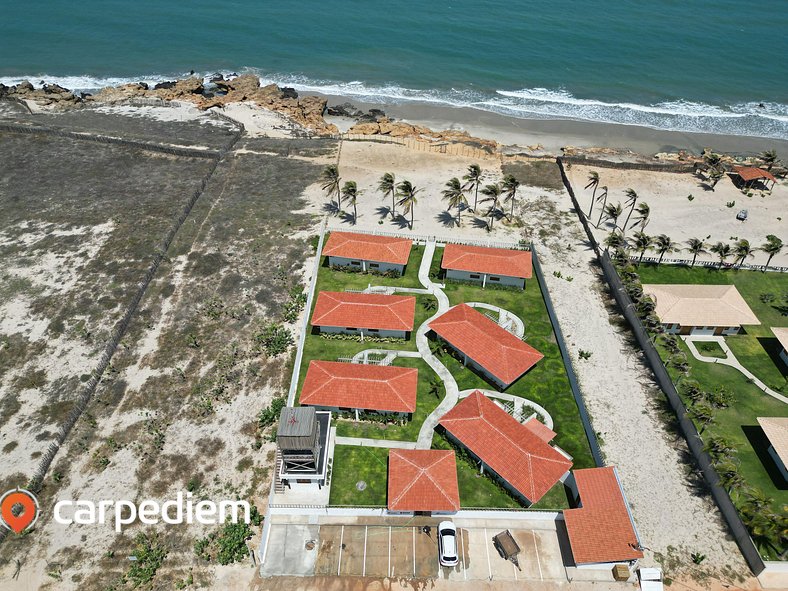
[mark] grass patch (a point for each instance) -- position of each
(710, 349)
(336, 280)
(353, 464)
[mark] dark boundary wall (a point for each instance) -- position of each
(655, 167)
(686, 426)
(570, 371)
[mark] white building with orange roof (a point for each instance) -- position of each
(367, 252)
(493, 266)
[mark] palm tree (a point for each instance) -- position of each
(742, 250)
(454, 194)
(663, 244)
(715, 176)
(493, 193)
(772, 246)
(593, 181)
(510, 185)
(473, 180)
(350, 192)
(722, 250)
(612, 212)
(712, 160)
(695, 246)
(641, 242)
(719, 447)
(615, 241)
(643, 212)
(603, 198)
(388, 186)
(632, 199)
(407, 198)
(330, 179)
(702, 412)
(769, 158)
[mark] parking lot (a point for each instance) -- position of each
(407, 552)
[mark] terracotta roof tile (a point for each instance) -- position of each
(515, 452)
(354, 385)
(364, 310)
(423, 480)
(493, 261)
(384, 249)
(601, 530)
(494, 348)
(751, 173)
(539, 429)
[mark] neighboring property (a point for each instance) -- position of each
(336, 386)
(691, 309)
(601, 530)
(493, 351)
(776, 431)
(367, 253)
(423, 481)
(494, 265)
(302, 446)
(367, 314)
(517, 454)
(782, 336)
(749, 175)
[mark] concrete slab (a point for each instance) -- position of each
(402, 552)
(352, 560)
(378, 554)
(460, 572)
(550, 559)
(500, 568)
(328, 550)
(479, 554)
(427, 565)
(287, 550)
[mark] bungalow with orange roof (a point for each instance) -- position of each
(782, 337)
(519, 455)
(336, 386)
(496, 266)
(691, 309)
(776, 431)
(368, 253)
(601, 529)
(497, 354)
(366, 314)
(423, 481)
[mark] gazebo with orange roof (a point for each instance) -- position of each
(749, 175)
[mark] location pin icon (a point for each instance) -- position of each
(18, 510)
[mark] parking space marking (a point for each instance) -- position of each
(538, 562)
(389, 571)
(464, 566)
(341, 538)
(414, 551)
(364, 567)
(489, 566)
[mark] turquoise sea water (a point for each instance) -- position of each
(693, 65)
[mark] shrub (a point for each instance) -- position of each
(293, 306)
(274, 339)
(585, 354)
(150, 553)
(229, 544)
(269, 415)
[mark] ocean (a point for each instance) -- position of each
(714, 66)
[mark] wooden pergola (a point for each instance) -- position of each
(749, 175)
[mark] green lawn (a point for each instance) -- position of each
(758, 350)
(710, 349)
(353, 464)
(330, 280)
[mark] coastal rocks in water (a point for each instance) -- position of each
(180, 89)
(345, 110)
(164, 85)
(47, 95)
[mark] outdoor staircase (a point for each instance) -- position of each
(279, 487)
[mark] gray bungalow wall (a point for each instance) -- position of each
(486, 278)
(365, 265)
(368, 332)
(487, 375)
(337, 409)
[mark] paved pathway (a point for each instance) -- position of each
(366, 442)
(730, 360)
(506, 319)
(519, 403)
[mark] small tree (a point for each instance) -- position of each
(510, 185)
(663, 244)
(722, 250)
(772, 246)
(742, 250)
(769, 158)
(473, 180)
(695, 246)
(703, 413)
(330, 183)
(641, 242)
(593, 182)
(388, 186)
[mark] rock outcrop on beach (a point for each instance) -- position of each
(387, 127)
(47, 95)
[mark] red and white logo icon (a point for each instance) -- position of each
(18, 510)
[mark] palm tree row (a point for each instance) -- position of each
(611, 212)
(662, 244)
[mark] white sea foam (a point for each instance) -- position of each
(749, 118)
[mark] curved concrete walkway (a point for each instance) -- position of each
(388, 355)
(506, 319)
(730, 360)
(519, 402)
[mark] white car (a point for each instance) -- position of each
(650, 579)
(447, 544)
